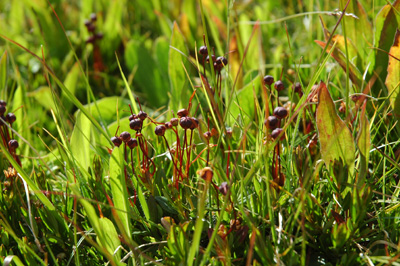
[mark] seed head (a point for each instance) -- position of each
(186, 122)
(223, 188)
(136, 124)
(279, 86)
(13, 145)
(280, 112)
(276, 132)
(132, 143)
(271, 122)
(268, 79)
(203, 50)
(174, 121)
(160, 130)
(183, 113)
(125, 136)
(206, 173)
(142, 115)
(117, 141)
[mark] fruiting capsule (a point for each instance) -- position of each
(185, 122)
(268, 79)
(271, 122)
(207, 135)
(10, 118)
(125, 136)
(195, 123)
(99, 36)
(229, 132)
(3, 109)
(142, 115)
(90, 39)
(117, 141)
(280, 112)
(279, 86)
(13, 145)
(203, 50)
(206, 173)
(93, 17)
(183, 113)
(131, 117)
(223, 188)
(87, 23)
(174, 121)
(132, 143)
(222, 61)
(276, 132)
(168, 125)
(160, 130)
(208, 58)
(297, 87)
(136, 124)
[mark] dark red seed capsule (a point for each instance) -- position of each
(271, 122)
(183, 113)
(87, 23)
(223, 188)
(208, 58)
(297, 87)
(207, 135)
(160, 130)
(279, 86)
(2, 109)
(99, 36)
(229, 132)
(276, 132)
(222, 61)
(13, 144)
(125, 136)
(268, 79)
(203, 50)
(131, 117)
(132, 143)
(90, 39)
(136, 124)
(117, 141)
(168, 125)
(10, 118)
(195, 123)
(93, 17)
(174, 121)
(280, 112)
(142, 115)
(185, 122)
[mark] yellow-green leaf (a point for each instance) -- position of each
(393, 75)
(335, 137)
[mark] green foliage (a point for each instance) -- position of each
(227, 188)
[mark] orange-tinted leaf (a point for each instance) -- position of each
(393, 75)
(335, 137)
(339, 56)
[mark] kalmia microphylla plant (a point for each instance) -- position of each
(199, 133)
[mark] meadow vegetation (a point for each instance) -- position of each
(200, 132)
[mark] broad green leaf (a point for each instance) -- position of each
(393, 75)
(179, 92)
(3, 74)
(44, 97)
(244, 103)
(364, 144)
(110, 239)
(148, 76)
(358, 30)
(71, 83)
(386, 23)
(108, 107)
(335, 137)
(118, 187)
(80, 141)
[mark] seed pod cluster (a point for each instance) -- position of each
(273, 122)
(90, 25)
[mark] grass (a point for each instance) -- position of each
(129, 147)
